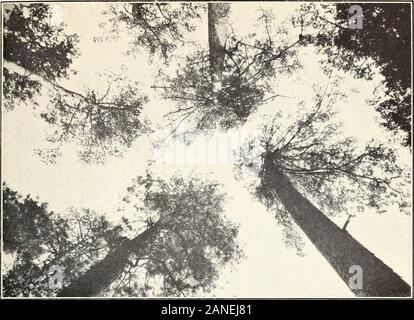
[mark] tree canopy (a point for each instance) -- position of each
(31, 42)
(102, 122)
(172, 237)
(38, 239)
(226, 97)
(158, 28)
(332, 170)
(192, 240)
(382, 44)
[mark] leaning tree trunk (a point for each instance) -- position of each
(338, 247)
(101, 275)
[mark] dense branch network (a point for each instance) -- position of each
(382, 46)
(190, 241)
(31, 42)
(335, 170)
(39, 239)
(337, 174)
(157, 27)
(242, 86)
(193, 239)
(103, 124)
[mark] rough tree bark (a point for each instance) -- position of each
(217, 34)
(338, 247)
(101, 275)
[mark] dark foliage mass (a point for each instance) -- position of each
(158, 28)
(384, 43)
(39, 239)
(191, 240)
(24, 219)
(16, 86)
(333, 171)
(31, 42)
(225, 99)
(101, 123)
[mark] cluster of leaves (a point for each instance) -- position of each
(18, 86)
(334, 171)
(103, 124)
(158, 27)
(194, 240)
(382, 44)
(31, 42)
(26, 225)
(226, 100)
(37, 240)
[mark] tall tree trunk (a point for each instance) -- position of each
(101, 275)
(338, 247)
(217, 34)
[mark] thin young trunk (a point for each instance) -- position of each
(101, 275)
(338, 247)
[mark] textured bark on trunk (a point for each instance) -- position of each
(338, 247)
(217, 34)
(101, 275)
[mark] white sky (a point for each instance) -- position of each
(269, 269)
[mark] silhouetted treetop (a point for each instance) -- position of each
(332, 170)
(26, 224)
(224, 97)
(102, 122)
(187, 241)
(39, 239)
(157, 27)
(193, 238)
(383, 43)
(33, 43)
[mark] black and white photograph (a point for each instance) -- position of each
(207, 150)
